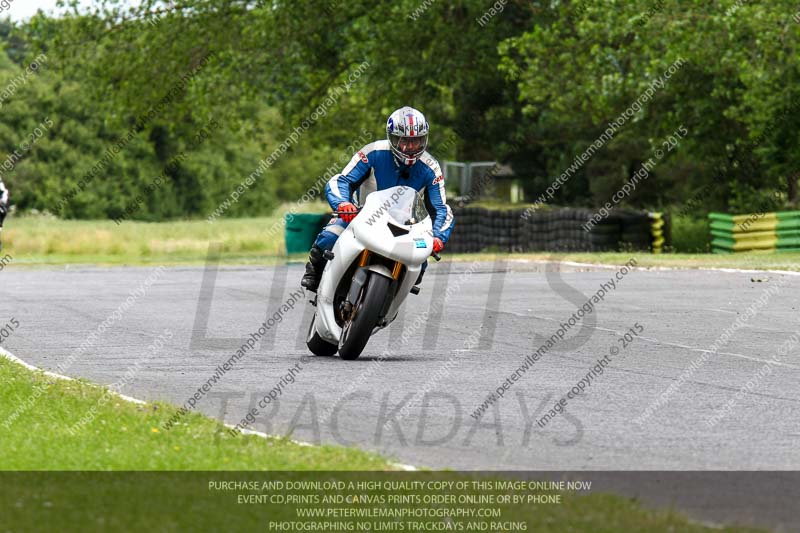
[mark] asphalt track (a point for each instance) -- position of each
(209, 315)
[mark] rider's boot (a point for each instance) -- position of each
(314, 268)
(415, 289)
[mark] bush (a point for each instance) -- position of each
(690, 234)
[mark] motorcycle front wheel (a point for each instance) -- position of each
(316, 344)
(357, 330)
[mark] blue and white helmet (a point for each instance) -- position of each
(407, 131)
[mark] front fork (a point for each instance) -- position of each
(360, 278)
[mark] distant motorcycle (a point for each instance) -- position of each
(370, 272)
(3, 212)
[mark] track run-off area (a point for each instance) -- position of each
(505, 365)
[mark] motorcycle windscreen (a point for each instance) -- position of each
(403, 204)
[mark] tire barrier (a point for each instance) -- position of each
(756, 231)
(480, 229)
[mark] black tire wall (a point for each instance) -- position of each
(479, 229)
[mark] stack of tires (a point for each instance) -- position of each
(464, 238)
(636, 230)
(557, 230)
(477, 229)
(605, 235)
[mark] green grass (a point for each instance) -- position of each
(753, 260)
(127, 437)
(41, 241)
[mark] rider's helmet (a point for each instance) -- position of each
(407, 131)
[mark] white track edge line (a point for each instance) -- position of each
(11, 357)
(662, 268)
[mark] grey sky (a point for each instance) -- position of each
(22, 9)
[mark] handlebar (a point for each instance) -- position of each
(436, 256)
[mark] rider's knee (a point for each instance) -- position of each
(326, 240)
(327, 237)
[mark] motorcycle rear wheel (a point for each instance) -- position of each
(357, 330)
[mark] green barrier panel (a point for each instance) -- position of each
(738, 237)
(302, 229)
(739, 219)
(788, 242)
(755, 231)
(745, 227)
(789, 224)
(744, 237)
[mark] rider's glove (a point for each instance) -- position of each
(438, 245)
(347, 211)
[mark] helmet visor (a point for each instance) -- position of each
(409, 146)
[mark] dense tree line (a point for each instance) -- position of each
(195, 94)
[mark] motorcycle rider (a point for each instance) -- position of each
(3, 205)
(400, 159)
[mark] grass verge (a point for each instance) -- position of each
(789, 261)
(36, 241)
(127, 436)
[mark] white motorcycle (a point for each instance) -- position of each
(370, 272)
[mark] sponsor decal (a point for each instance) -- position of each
(438, 179)
(420, 243)
(363, 157)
